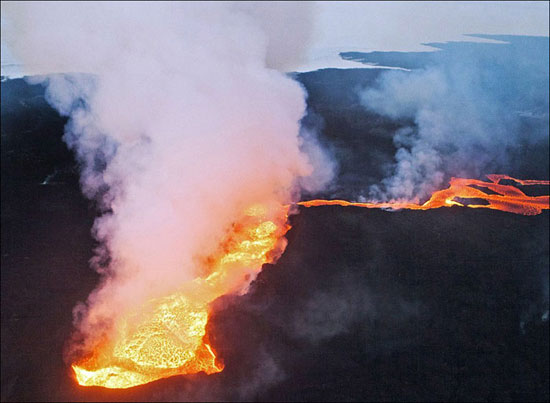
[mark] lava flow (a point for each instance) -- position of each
(503, 197)
(168, 336)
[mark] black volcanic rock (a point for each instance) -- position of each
(445, 304)
(374, 305)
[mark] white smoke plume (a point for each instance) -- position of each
(178, 120)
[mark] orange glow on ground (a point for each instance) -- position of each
(168, 337)
(506, 198)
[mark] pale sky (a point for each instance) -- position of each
(405, 25)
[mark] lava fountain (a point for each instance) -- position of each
(168, 337)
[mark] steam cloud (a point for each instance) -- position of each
(469, 110)
(179, 122)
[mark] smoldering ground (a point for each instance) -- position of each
(364, 305)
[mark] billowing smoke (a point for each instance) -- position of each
(179, 122)
(468, 111)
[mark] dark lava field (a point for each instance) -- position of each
(442, 305)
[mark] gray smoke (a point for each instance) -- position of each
(467, 111)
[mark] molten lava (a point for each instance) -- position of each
(503, 197)
(168, 336)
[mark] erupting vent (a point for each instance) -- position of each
(168, 336)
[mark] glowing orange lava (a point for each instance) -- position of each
(504, 197)
(168, 337)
